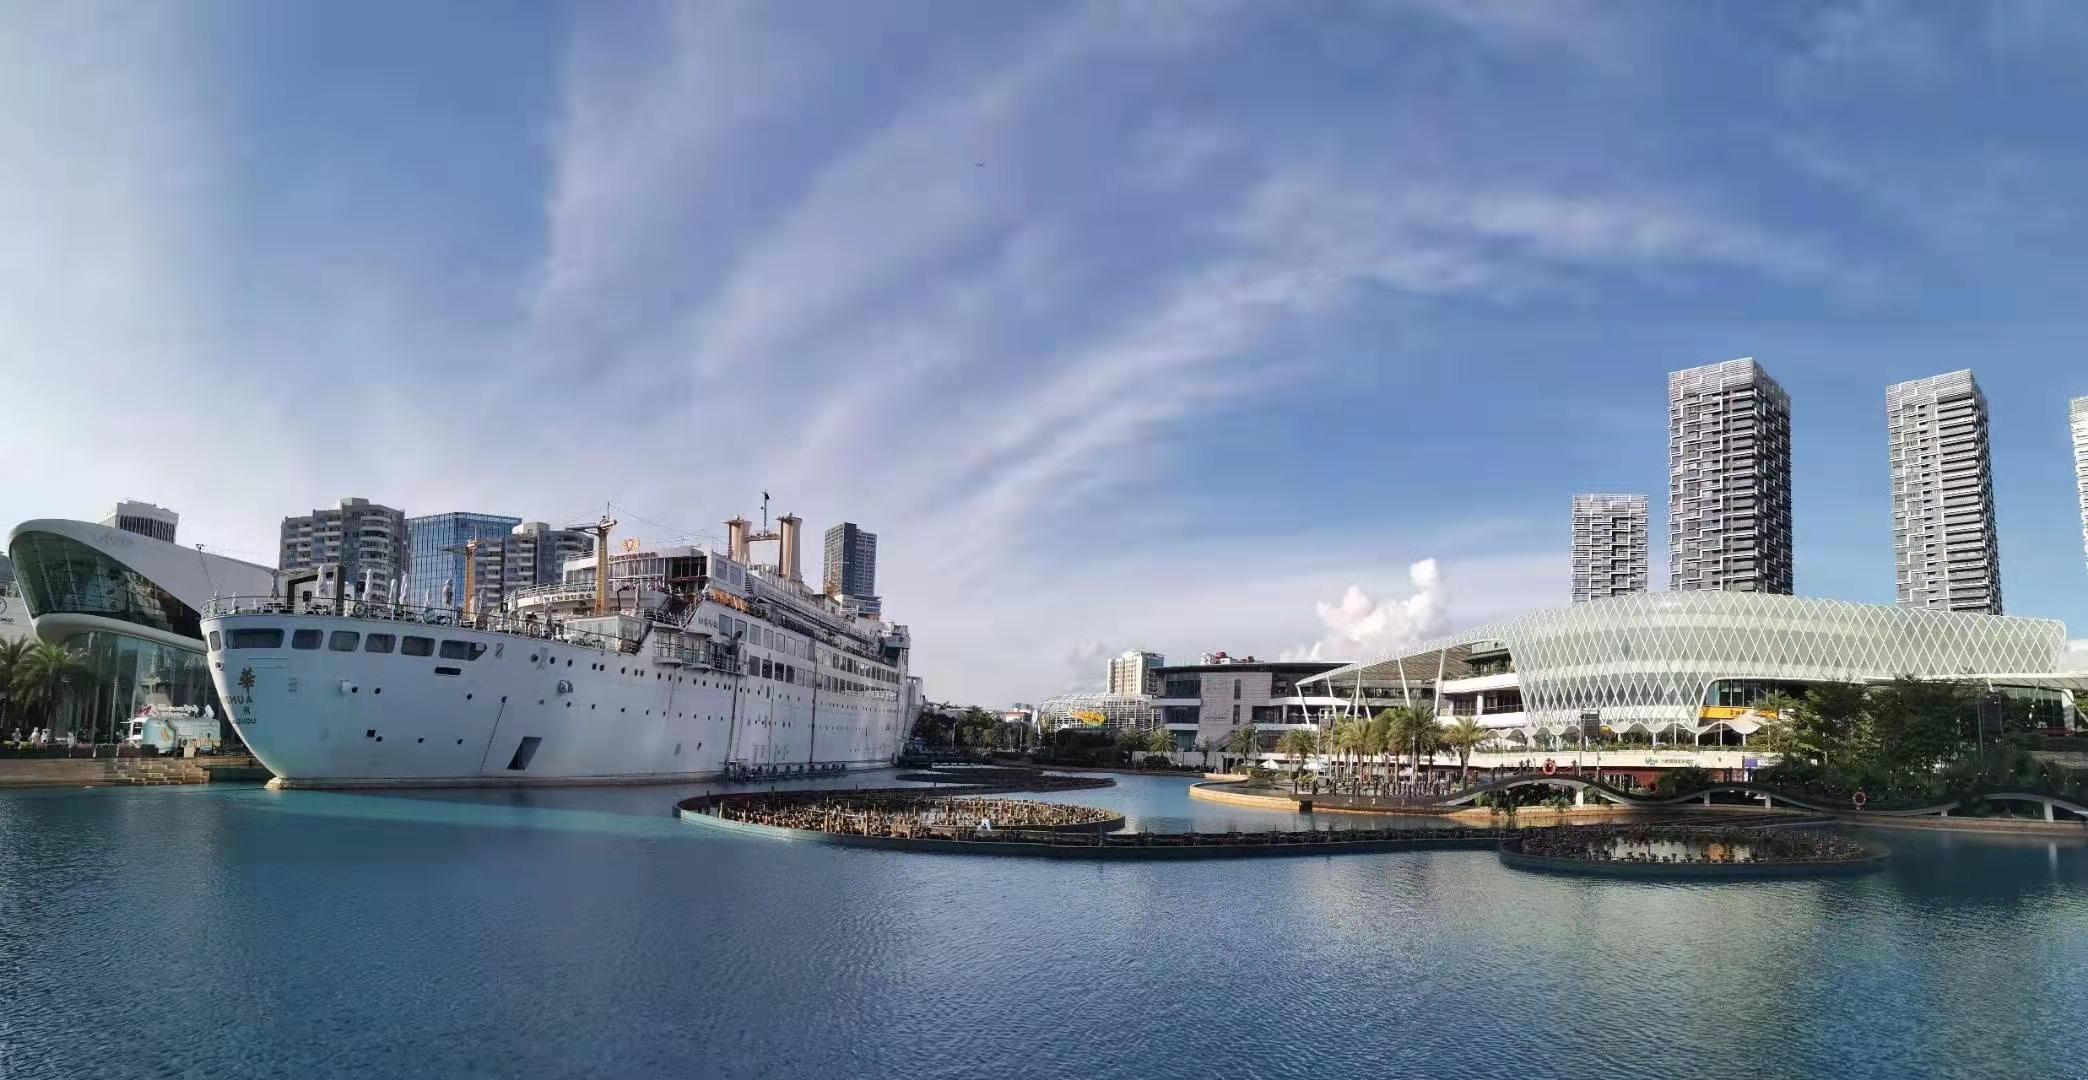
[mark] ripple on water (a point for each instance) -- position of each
(571, 932)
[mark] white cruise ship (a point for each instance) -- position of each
(648, 666)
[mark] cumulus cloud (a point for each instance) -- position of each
(1359, 627)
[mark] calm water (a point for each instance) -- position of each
(241, 932)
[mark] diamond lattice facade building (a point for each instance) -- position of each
(1663, 661)
(2078, 413)
(1943, 537)
(1115, 712)
(1609, 546)
(1729, 480)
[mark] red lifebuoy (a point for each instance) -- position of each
(1859, 798)
(1550, 766)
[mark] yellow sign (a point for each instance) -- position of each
(1090, 717)
(1733, 712)
(630, 545)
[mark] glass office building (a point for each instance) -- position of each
(436, 546)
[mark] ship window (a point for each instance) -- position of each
(305, 639)
(343, 641)
(417, 646)
(455, 650)
(379, 642)
(440, 670)
(216, 643)
(257, 639)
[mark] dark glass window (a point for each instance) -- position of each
(59, 574)
(257, 639)
(462, 650)
(343, 641)
(216, 642)
(417, 646)
(304, 639)
(379, 643)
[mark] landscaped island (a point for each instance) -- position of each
(851, 814)
(1735, 852)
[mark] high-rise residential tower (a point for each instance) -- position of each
(534, 553)
(851, 565)
(1729, 480)
(1609, 546)
(1136, 672)
(1943, 538)
(2078, 412)
(361, 542)
(145, 519)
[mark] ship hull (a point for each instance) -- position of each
(483, 708)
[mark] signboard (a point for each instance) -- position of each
(1089, 717)
(1590, 723)
(1734, 712)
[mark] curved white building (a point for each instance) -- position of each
(1687, 662)
(131, 606)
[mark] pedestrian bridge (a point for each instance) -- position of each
(1770, 797)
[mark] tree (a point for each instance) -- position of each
(46, 677)
(1377, 739)
(1203, 746)
(1922, 723)
(14, 656)
(1296, 745)
(1463, 737)
(1416, 730)
(1244, 742)
(1160, 741)
(1349, 740)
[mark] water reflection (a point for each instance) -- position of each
(209, 932)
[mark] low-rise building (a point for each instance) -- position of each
(1204, 704)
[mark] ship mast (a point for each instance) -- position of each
(600, 529)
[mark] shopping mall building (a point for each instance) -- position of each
(129, 604)
(1692, 668)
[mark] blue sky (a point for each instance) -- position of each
(1185, 326)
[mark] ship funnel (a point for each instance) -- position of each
(788, 527)
(736, 539)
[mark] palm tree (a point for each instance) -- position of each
(46, 676)
(1416, 730)
(1203, 746)
(1296, 745)
(1243, 742)
(14, 657)
(1377, 740)
(1348, 739)
(1463, 737)
(1160, 741)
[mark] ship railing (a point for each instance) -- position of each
(686, 655)
(524, 626)
(554, 594)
